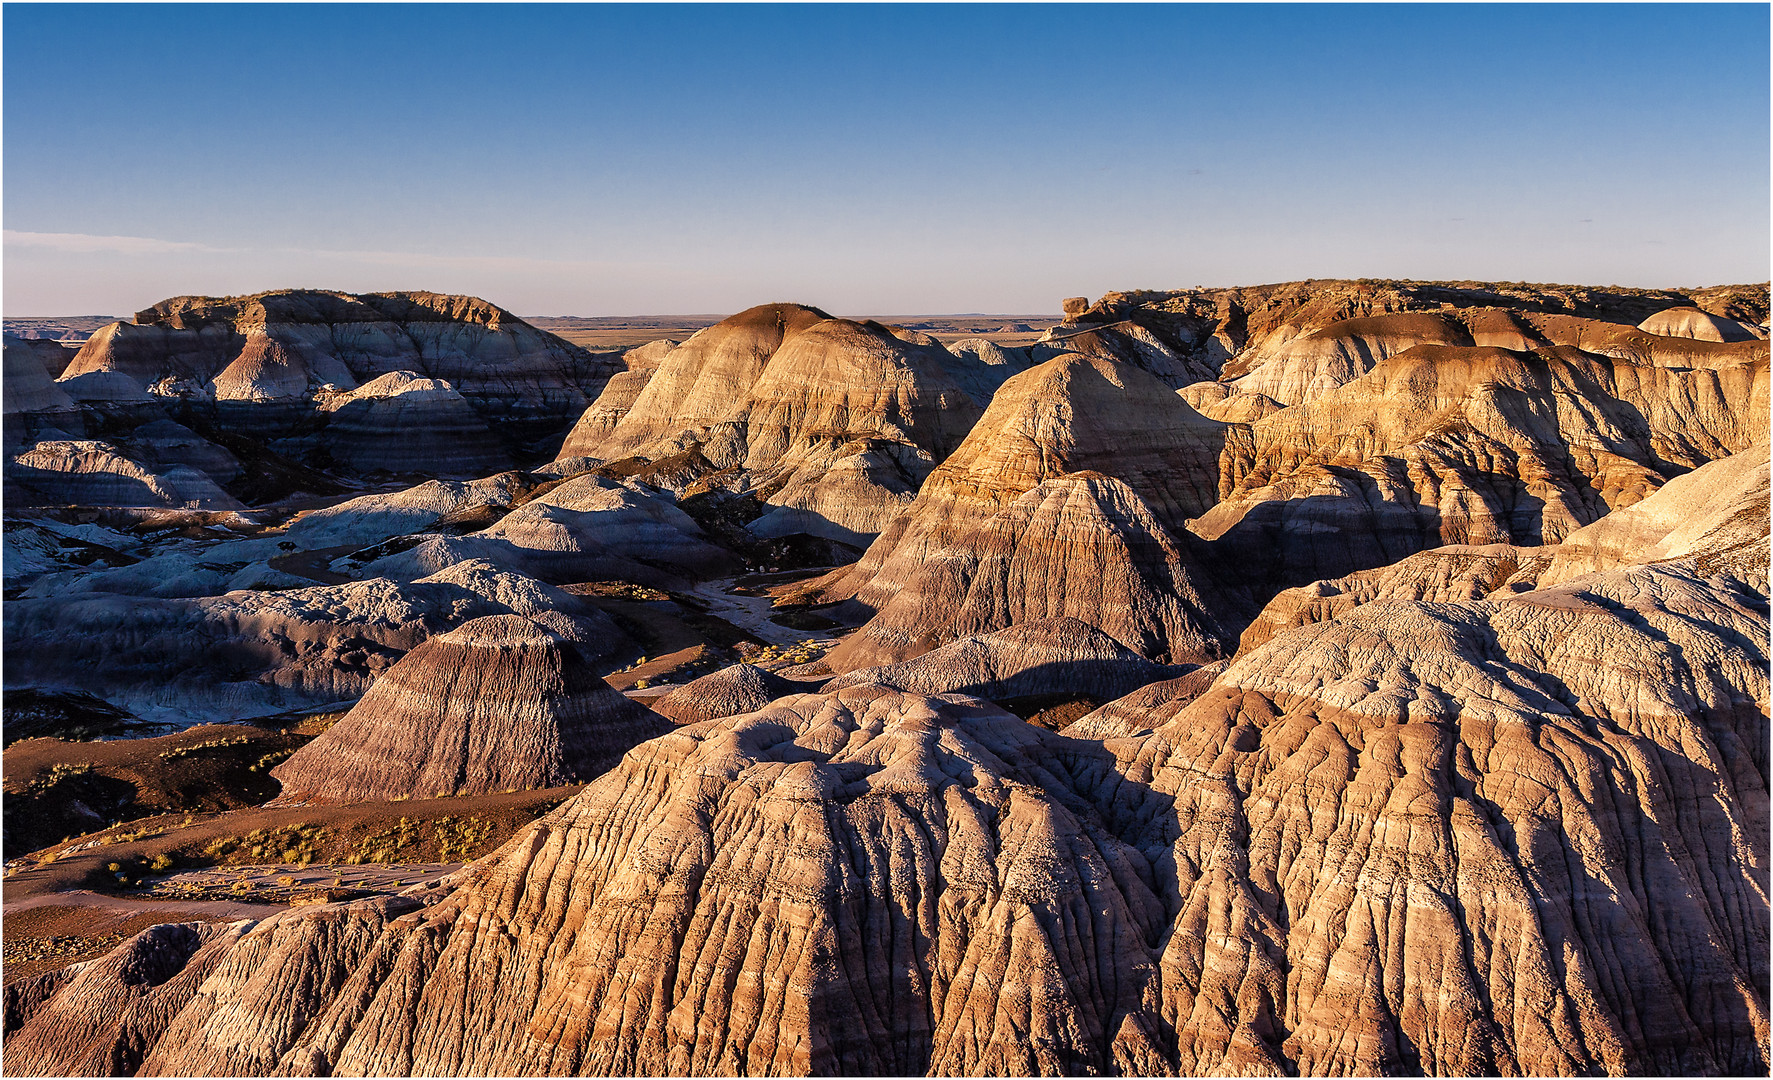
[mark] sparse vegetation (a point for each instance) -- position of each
(181, 751)
(58, 773)
(804, 652)
(271, 760)
(453, 839)
(62, 947)
(298, 844)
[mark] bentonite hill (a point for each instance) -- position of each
(1326, 678)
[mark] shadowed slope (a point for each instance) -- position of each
(498, 703)
(1065, 499)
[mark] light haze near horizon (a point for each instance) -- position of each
(602, 160)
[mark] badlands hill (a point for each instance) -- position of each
(831, 424)
(1359, 849)
(1434, 619)
(280, 346)
(1068, 498)
(1231, 332)
(1350, 440)
(499, 703)
(290, 395)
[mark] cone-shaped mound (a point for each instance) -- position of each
(1071, 414)
(1083, 545)
(1045, 656)
(731, 691)
(835, 421)
(497, 703)
(699, 383)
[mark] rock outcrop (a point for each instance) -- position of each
(29, 386)
(162, 444)
(499, 703)
(283, 347)
(105, 388)
(1146, 709)
(1714, 518)
(92, 473)
(1712, 521)
(587, 528)
(1067, 499)
(1486, 793)
(1694, 323)
(1476, 445)
(101, 1016)
(1083, 546)
(371, 519)
(741, 688)
(834, 421)
(618, 396)
(1230, 333)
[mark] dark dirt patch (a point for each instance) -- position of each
(804, 620)
(409, 831)
(660, 623)
(675, 668)
(1051, 711)
(56, 789)
(617, 590)
(50, 938)
(32, 713)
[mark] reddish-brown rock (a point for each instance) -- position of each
(498, 703)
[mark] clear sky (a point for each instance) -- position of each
(648, 159)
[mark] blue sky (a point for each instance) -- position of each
(592, 160)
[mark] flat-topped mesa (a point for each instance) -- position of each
(283, 347)
(1229, 332)
(1322, 360)
(320, 306)
(499, 703)
(834, 421)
